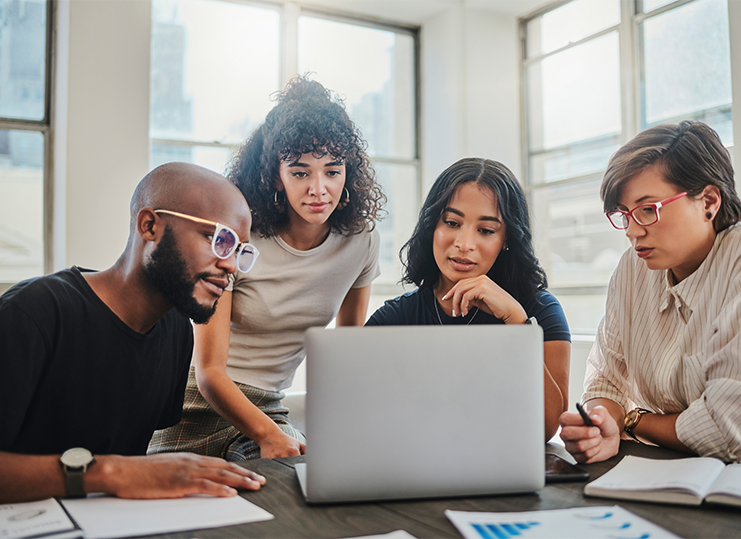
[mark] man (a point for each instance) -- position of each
(92, 363)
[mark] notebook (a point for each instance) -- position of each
(402, 412)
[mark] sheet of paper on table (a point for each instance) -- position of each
(398, 534)
(104, 517)
(577, 523)
(33, 518)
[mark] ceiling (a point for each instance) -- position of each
(416, 12)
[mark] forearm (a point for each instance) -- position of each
(661, 430)
(30, 477)
(555, 404)
(230, 403)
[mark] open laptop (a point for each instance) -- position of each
(420, 411)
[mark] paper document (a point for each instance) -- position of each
(576, 523)
(33, 518)
(107, 517)
(398, 534)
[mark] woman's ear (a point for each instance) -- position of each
(711, 200)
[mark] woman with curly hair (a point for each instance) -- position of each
(314, 200)
(472, 259)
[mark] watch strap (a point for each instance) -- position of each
(74, 482)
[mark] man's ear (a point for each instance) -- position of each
(148, 224)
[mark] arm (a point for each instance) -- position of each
(174, 475)
(209, 356)
(354, 308)
(556, 355)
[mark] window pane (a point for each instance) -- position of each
(687, 67)
(209, 157)
(575, 242)
(570, 23)
(214, 66)
(574, 110)
(373, 70)
(650, 5)
(22, 59)
(21, 205)
(399, 183)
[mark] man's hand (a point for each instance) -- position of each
(168, 475)
(590, 444)
(280, 444)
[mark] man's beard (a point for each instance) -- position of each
(168, 272)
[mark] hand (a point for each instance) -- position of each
(280, 444)
(590, 444)
(488, 296)
(169, 475)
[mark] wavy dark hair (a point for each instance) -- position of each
(307, 118)
(690, 155)
(516, 269)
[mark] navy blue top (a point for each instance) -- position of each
(417, 308)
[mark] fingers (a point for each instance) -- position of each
(303, 449)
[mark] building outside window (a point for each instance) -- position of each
(216, 64)
(24, 140)
(594, 74)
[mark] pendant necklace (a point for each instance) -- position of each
(437, 312)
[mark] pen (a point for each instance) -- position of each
(584, 415)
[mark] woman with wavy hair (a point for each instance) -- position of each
(314, 201)
(472, 259)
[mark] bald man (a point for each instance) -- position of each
(91, 363)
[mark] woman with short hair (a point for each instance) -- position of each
(666, 365)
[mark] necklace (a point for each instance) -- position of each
(437, 312)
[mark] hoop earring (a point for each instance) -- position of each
(345, 201)
(280, 204)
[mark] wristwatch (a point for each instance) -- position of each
(532, 321)
(74, 463)
(632, 419)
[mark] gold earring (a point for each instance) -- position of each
(280, 205)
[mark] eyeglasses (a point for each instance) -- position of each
(224, 242)
(644, 215)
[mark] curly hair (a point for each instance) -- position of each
(516, 269)
(307, 118)
(690, 155)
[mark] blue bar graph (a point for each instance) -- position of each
(503, 530)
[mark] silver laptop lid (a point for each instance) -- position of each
(421, 411)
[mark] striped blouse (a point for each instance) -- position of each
(676, 348)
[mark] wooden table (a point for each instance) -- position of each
(294, 518)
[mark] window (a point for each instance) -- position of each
(25, 206)
(595, 73)
(211, 89)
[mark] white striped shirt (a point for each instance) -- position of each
(676, 348)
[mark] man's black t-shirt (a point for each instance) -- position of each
(72, 374)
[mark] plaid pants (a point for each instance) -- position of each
(201, 430)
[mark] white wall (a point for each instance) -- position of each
(470, 89)
(102, 126)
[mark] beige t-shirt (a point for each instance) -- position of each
(287, 292)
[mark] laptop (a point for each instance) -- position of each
(399, 412)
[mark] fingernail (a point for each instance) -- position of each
(445, 297)
(453, 313)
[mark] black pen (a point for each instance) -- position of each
(584, 415)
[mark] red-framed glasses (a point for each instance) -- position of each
(644, 215)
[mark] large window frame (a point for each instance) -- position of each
(289, 14)
(44, 126)
(631, 113)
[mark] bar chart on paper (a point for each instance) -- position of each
(576, 523)
(503, 530)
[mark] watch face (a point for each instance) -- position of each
(631, 418)
(76, 457)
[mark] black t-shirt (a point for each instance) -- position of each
(417, 308)
(73, 374)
